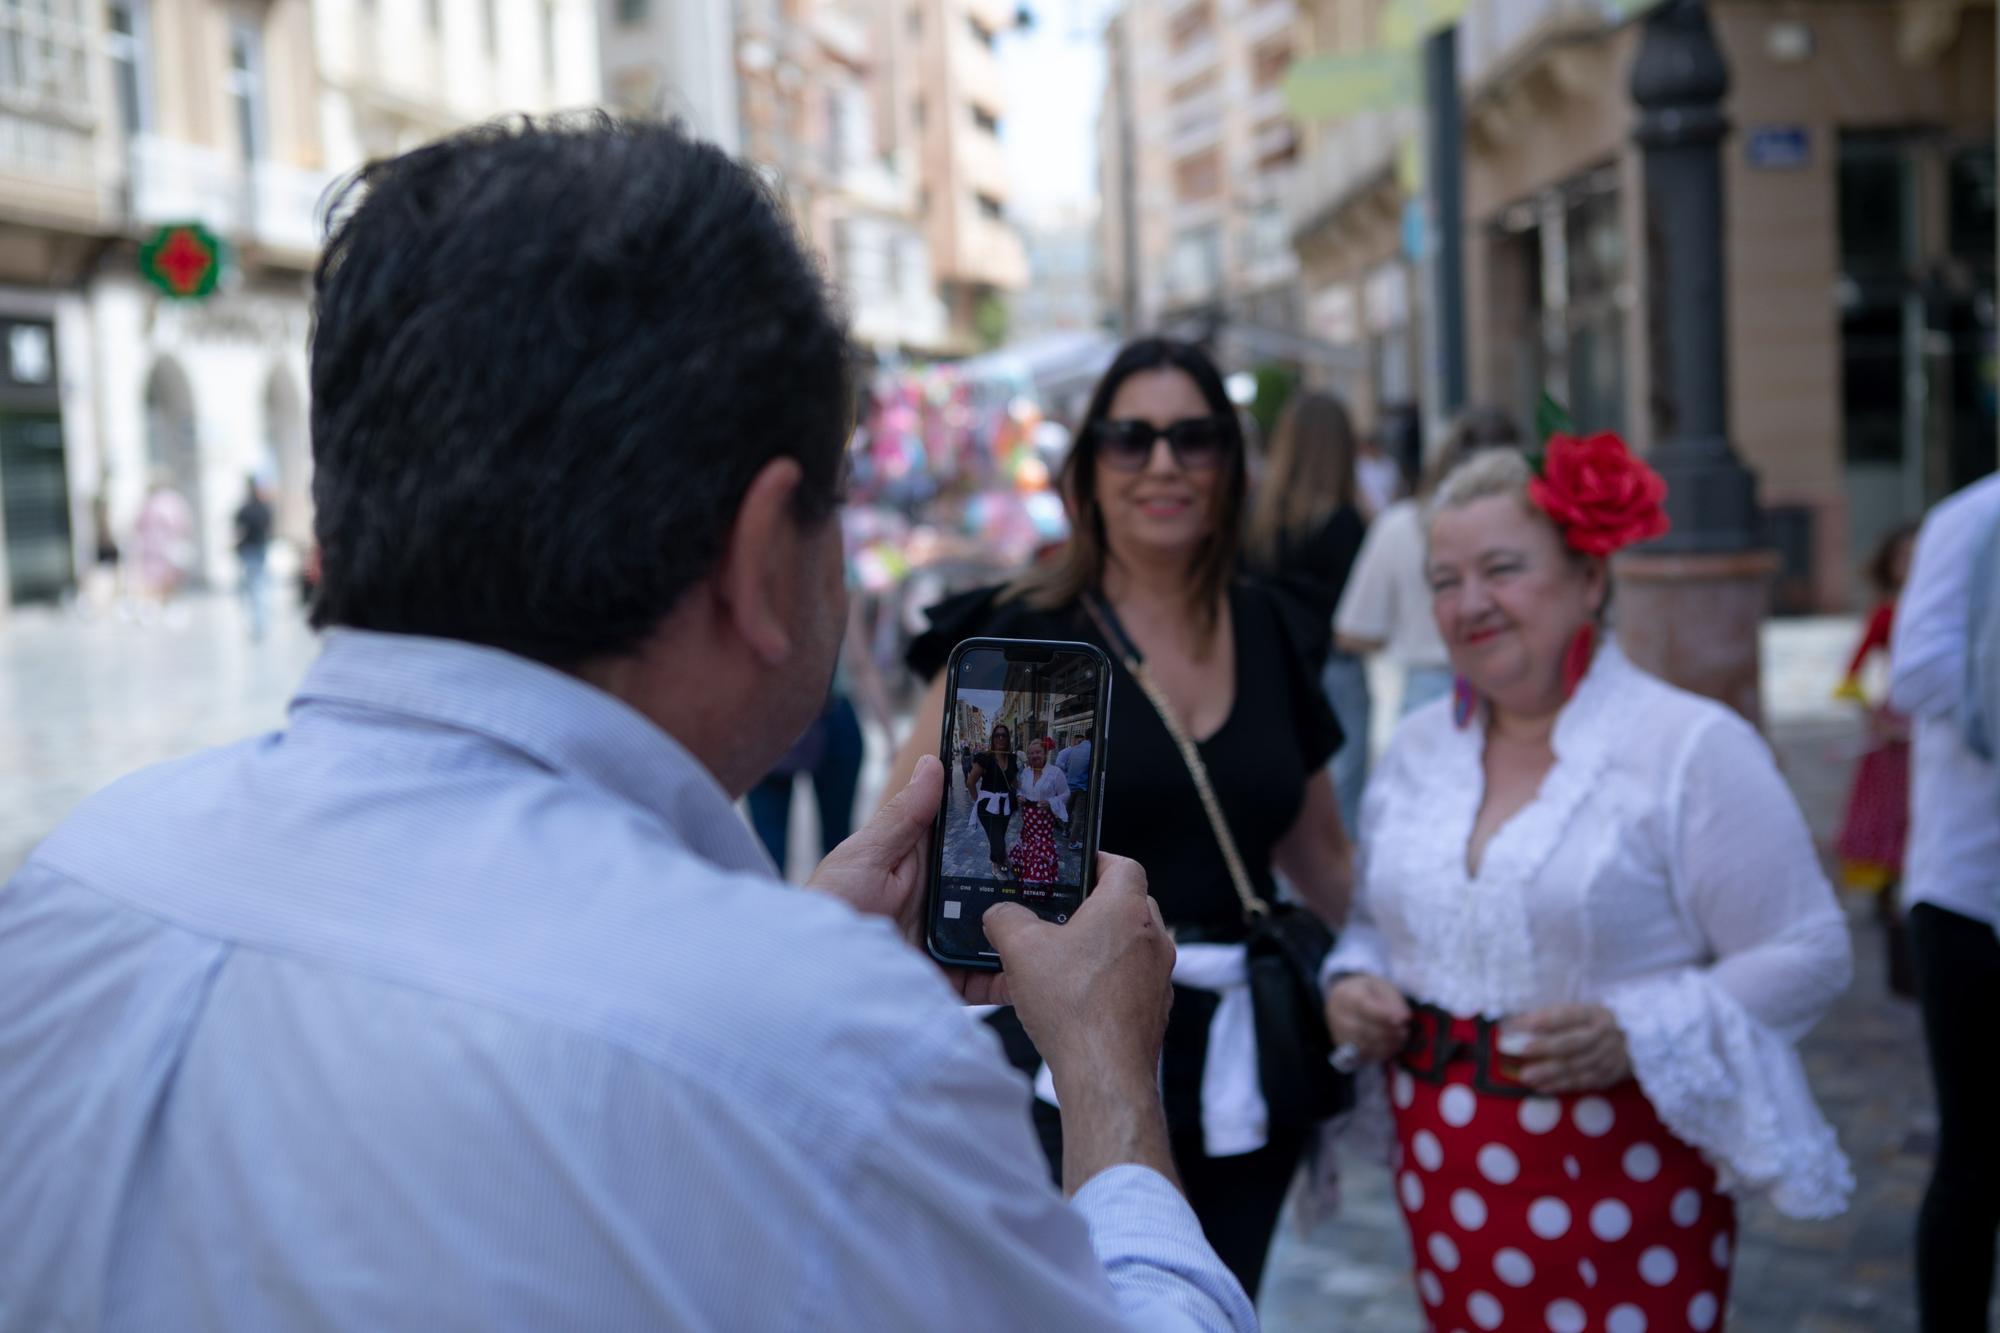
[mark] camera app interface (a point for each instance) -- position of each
(1018, 810)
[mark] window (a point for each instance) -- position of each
(43, 53)
(1269, 63)
(1199, 177)
(245, 86)
(924, 202)
(633, 12)
(125, 48)
(990, 207)
(917, 113)
(986, 120)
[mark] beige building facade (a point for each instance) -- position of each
(119, 118)
(1859, 248)
(1195, 152)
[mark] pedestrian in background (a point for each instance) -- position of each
(1306, 528)
(163, 537)
(1155, 491)
(1875, 825)
(253, 545)
(1951, 894)
(1611, 926)
(1075, 764)
(1386, 605)
(467, 1001)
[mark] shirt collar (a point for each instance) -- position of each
(554, 719)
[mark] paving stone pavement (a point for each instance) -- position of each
(85, 701)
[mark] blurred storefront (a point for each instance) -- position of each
(1859, 191)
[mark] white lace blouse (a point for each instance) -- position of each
(1664, 871)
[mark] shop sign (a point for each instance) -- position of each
(1778, 147)
(182, 259)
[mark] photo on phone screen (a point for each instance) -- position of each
(1023, 749)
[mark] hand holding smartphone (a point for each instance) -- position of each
(1024, 754)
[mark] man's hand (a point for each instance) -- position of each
(880, 871)
(1567, 1048)
(1093, 993)
(1369, 1014)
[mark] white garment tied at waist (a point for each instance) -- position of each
(1234, 1117)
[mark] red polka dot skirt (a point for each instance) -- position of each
(1573, 1214)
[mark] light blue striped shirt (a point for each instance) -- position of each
(468, 1002)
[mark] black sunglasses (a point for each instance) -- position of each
(1198, 443)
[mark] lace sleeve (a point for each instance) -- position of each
(1713, 1046)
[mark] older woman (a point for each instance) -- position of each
(1044, 793)
(1590, 927)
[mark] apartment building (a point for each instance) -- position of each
(1195, 150)
(867, 217)
(673, 58)
(953, 105)
(121, 118)
(1859, 252)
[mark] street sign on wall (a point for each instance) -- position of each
(182, 259)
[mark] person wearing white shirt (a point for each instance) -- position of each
(1590, 927)
(1951, 890)
(1386, 604)
(467, 1000)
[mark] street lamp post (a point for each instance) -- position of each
(1692, 602)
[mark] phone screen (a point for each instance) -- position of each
(1023, 748)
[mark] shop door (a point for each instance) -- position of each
(1917, 325)
(34, 499)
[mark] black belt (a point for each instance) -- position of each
(1431, 1047)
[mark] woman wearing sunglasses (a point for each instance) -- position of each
(1155, 490)
(1591, 926)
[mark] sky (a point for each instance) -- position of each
(1054, 74)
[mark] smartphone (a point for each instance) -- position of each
(1024, 746)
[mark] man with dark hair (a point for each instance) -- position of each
(467, 1000)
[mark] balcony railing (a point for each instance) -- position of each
(272, 204)
(1345, 157)
(1198, 58)
(1195, 124)
(1266, 20)
(1493, 32)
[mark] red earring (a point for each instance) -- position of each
(1576, 659)
(1463, 700)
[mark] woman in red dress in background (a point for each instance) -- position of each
(1044, 793)
(1590, 926)
(1877, 820)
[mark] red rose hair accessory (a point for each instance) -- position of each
(1598, 493)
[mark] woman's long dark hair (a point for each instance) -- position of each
(1080, 567)
(1311, 474)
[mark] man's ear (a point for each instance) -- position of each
(758, 574)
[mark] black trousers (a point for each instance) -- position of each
(1958, 985)
(996, 834)
(1236, 1199)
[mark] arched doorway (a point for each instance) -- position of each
(172, 451)
(288, 457)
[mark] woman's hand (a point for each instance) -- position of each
(1567, 1048)
(1369, 1014)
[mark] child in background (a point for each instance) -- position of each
(1878, 804)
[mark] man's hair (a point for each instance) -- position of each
(548, 358)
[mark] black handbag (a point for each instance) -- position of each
(1284, 946)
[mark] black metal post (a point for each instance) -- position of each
(1678, 80)
(1444, 189)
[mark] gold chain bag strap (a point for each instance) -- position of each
(1283, 946)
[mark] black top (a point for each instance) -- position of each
(253, 525)
(993, 775)
(1315, 565)
(1277, 734)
